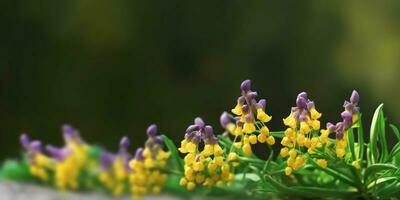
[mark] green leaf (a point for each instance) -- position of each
(351, 143)
(341, 176)
(378, 134)
(360, 133)
(16, 170)
(395, 131)
(248, 176)
(174, 152)
(278, 134)
(301, 191)
(376, 168)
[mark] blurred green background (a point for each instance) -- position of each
(111, 68)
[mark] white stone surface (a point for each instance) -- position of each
(24, 191)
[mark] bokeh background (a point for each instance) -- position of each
(111, 68)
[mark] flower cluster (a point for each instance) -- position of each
(65, 163)
(250, 118)
(115, 168)
(205, 163)
(70, 160)
(303, 126)
(39, 163)
(146, 176)
(349, 117)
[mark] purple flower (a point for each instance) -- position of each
(159, 140)
(262, 103)
(106, 160)
(303, 95)
(139, 154)
(199, 122)
(355, 97)
(124, 143)
(208, 131)
(339, 135)
(224, 119)
(152, 130)
(25, 141)
(68, 131)
(331, 128)
(301, 102)
(192, 128)
(36, 146)
(252, 95)
(246, 85)
(58, 154)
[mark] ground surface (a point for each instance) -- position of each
(18, 191)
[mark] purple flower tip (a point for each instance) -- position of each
(245, 108)
(262, 103)
(36, 146)
(106, 160)
(248, 117)
(199, 122)
(339, 135)
(246, 85)
(241, 100)
(224, 119)
(330, 127)
(310, 105)
(152, 130)
(303, 95)
(346, 115)
(58, 154)
(301, 102)
(68, 131)
(196, 138)
(252, 95)
(192, 128)
(24, 139)
(355, 97)
(124, 143)
(159, 140)
(139, 154)
(208, 130)
(302, 117)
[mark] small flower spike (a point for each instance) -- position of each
(350, 117)
(302, 122)
(39, 164)
(70, 160)
(207, 166)
(146, 175)
(115, 169)
(249, 123)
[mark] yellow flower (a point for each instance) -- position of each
(322, 163)
(262, 138)
(249, 127)
(356, 164)
(232, 156)
(284, 152)
(262, 116)
(190, 186)
(238, 109)
(315, 114)
(264, 130)
(304, 128)
(288, 171)
(290, 121)
(183, 181)
(253, 139)
(340, 152)
(271, 140)
(247, 149)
